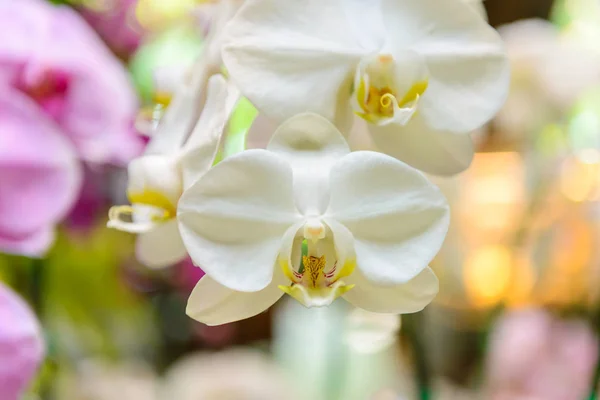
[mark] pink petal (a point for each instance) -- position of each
(100, 104)
(40, 173)
(21, 345)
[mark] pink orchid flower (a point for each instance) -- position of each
(21, 345)
(116, 23)
(41, 175)
(537, 356)
(52, 56)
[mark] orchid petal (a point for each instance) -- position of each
(397, 217)
(469, 71)
(431, 151)
(343, 243)
(287, 66)
(261, 132)
(232, 219)
(34, 244)
(161, 246)
(214, 304)
(182, 114)
(405, 298)
(40, 176)
(311, 144)
(201, 148)
(155, 174)
(21, 344)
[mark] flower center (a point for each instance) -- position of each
(46, 87)
(317, 280)
(154, 189)
(388, 91)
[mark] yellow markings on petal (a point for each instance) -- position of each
(346, 270)
(313, 287)
(148, 209)
(162, 98)
(154, 199)
(414, 93)
(375, 103)
(382, 94)
(314, 268)
(288, 272)
(316, 297)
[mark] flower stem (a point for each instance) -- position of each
(413, 328)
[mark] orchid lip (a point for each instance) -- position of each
(382, 95)
(312, 284)
(148, 209)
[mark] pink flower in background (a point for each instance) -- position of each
(537, 356)
(187, 276)
(59, 62)
(40, 173)
(115, 22)
(21, 345)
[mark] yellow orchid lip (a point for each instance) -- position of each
(153, 198)
(148, 209)
(378, 97)
(316, 297)
(313, 287)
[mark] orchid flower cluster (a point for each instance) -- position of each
(306, 216)
(66, 106)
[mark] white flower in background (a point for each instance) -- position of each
(237, 374)
(422, 73)
(171, 163)
(97, 379)
(478, 6)
(370, 225)
(186, 84)
(550, 73)
(370, 332)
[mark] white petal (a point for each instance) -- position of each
(343, 243)
(469, 71)
(160, 247)
(261, 132)
(157, 174)
(431, 151)
(215, 304)
(233, 218)
(290, 253)
(405, 298)
(201, 148)
(180, 117)
(311, 144)
(397, 217)
(290, 57)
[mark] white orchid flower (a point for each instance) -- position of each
(551, 71)
(370, 225)
(478, 6)
(185, 84)
(422, 73)
(172, 162)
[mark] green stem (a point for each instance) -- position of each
(413, 328)
(594, 395)
(594, 390)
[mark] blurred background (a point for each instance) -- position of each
(518, 312)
